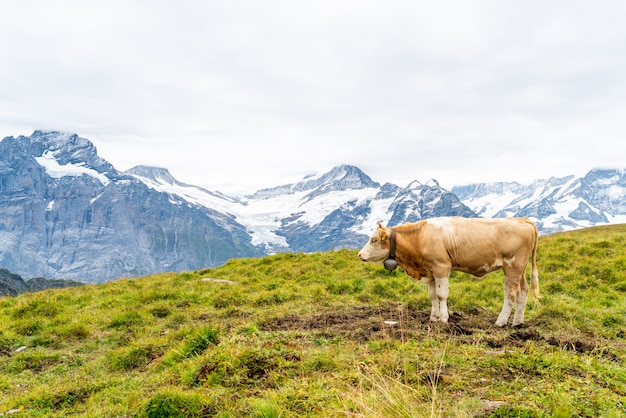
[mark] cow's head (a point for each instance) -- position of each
(377, 248)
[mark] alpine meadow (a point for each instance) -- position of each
(323, 335)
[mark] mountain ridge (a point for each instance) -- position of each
(13, 284)
(555, 204)
(67, 213)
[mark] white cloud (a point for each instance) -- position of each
(236, 96)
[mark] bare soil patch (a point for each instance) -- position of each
(365, 323)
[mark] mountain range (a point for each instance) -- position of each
(67, 213)
(12, 284)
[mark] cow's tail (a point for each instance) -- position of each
(534, 275)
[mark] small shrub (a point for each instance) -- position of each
(612, 320)
(222, 301)
(255, 366)
(176, 321)
(272, 286)
(160, 311)
(37, 308)
(174, 405)
(555, 287)
(340, 264)
(248, 329)
(61, 399)
(45, 341)
(127, 320)
(274, 298)
(195, 344)
(513, 412)
(159, 295)
(199, 342)
(383, 290)
(77, 331)
(358, 285)
(339, 288)
(130, 358)
(34, 360)
(265, 409)
(322, 363)
(214, 371)
(186, 276)
(6, 345)
(28, 327)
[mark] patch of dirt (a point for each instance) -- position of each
(365, 323)
(583, 345)
(358, 323)
(524, 335)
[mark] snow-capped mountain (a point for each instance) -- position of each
(555, 204)
(319, 213)
(67, 213)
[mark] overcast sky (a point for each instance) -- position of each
(241, 95)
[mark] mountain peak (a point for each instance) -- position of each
(60, 154)
(342, 177)
(70, 144)
(157, 174)
(67, 149)
(346, 177)
(413, 185)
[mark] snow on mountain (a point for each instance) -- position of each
(341, 206)
(160, 179)
(264, 213)
(57, 170)
(555, 204)
(488, 199)
(261, 218)
(343, 177)
(67, 213)
(69, 150)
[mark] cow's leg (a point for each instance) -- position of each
(434, 300)
(520, 303)
(507, 307)
(442, 291)
(511, 290)
(438, 292)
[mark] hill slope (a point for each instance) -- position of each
(296, 335)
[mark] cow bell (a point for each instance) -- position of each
(390, 264)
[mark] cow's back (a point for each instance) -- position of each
(479, 246)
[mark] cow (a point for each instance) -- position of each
(430, 249)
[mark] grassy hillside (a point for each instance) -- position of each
(296, 335)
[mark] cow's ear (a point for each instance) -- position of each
(380, 226)
(383, 237)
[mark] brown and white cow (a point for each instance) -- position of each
(430, 249)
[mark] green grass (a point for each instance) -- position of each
(304, 335)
